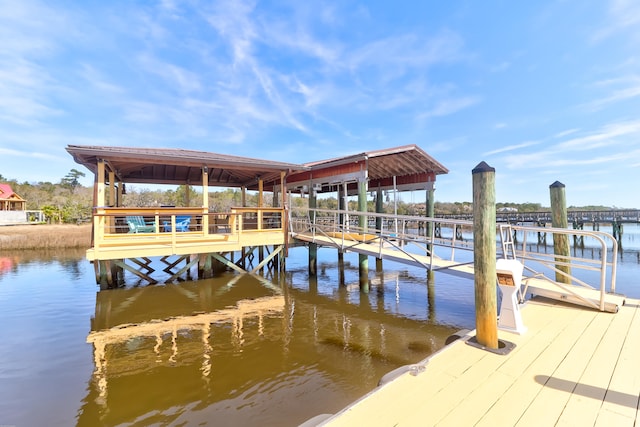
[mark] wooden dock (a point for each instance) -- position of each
(574, 366)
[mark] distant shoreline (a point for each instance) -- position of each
(45, 236)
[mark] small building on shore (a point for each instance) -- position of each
(12, 207)
(10, 200)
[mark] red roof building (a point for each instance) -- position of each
(9, 200)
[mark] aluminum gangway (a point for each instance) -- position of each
(436, 244)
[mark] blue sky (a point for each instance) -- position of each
(542, 91)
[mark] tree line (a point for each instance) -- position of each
(67, 201)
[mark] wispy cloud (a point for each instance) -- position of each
(617, 95)
(624, 15)
(449, 106)
(565, 133)
(608, 144)
(605, 136)
(175, 77)
(511, 148)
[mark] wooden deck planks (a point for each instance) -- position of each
(575, 366)
(501, 383)
(546, 353)
(594, 381)
(560, 380)
(620, 406)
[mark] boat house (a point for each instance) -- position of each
(246, 239)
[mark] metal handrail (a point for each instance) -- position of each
(552, 261)
(315, 221)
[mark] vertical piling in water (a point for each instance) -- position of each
(431, 212)
(363, 260)
(484, 255)
(559, 219)
(431, 294)
(379, 209)
(341, 220)
(313, 247)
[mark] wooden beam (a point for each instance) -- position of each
(227, 262)
(266, 260)
(183, 269)
(138, 273)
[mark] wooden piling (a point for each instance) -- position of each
(484, 255)
(559, 219)
(379, 209)
(431, 212)
(363, 260)
(431, 295)
(342, 205)
(313, 247)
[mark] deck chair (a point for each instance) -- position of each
(182, 223)
(137, 224)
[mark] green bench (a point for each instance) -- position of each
(137, 224)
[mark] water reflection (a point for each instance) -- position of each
(6, 264)
(233, 351)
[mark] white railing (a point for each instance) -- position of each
(406, 233)
(402, 232)
(604, 265)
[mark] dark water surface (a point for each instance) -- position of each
(230, 351)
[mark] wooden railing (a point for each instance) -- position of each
(167, 225)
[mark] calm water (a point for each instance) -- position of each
(233, 350)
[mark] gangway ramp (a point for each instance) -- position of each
(535, 284)
(370, 245)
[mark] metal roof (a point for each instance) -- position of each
(387, 163)
(179, 166)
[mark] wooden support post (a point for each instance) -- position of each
(205, 266)
(112, 188)
(260, 218)
(205, 200)
(431, 212)
(261, 258)
(104, 277)
(341, 206)
(431, 295)
(560, 241)
(341, 219)
(313, 247)
(285, 220)
(120, 193)
(363, 260)
(484, 255)
(101, 199)
(379, 209)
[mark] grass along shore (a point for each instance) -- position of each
(44, 236)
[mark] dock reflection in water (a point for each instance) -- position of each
(237, 350)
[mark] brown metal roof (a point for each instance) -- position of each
(178, 166)
(387, 163)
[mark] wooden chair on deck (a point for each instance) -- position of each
(137, 224)
(182, 223)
